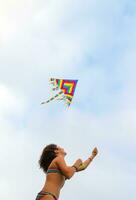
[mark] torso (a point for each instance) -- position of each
(54, 180)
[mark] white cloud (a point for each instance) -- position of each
(10, 103)
(13, 16)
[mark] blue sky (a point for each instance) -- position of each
(94, 42)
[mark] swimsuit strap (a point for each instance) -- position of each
(49, 193)
(39, 196)
(54, 171)
(42, 194)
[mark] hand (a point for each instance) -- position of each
(94, 152)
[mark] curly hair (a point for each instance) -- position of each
(47, 156)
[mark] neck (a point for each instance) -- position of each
(61, 154)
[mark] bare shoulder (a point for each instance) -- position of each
(59, 160)
(56, 162)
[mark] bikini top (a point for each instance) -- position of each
(54, 171)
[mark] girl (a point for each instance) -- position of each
(53, 164)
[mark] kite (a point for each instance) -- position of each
(65, 88)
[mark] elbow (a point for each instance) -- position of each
(69, 174)
(69, 177)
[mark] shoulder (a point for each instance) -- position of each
(59, 159)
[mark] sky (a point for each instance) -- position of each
(94, 42)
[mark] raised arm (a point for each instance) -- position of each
(68, 171)
(85, 164)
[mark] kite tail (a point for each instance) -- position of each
(52, 98)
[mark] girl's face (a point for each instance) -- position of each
(61, 151)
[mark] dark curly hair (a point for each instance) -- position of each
(47, 156)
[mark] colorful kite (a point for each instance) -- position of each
(66, 90)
